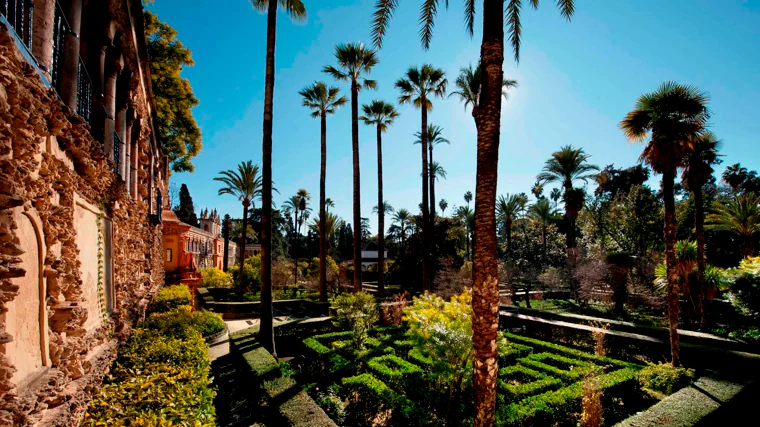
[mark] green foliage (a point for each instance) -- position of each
(213, 277)
(251, 273)
(172, 95)
(751, 334)
(517, 382)
(745, 286)
(393, 369)
(160, 378)
(178, 321)
(332, 268)
(207, 323)
(665, 378)
(170, 298)
(443, 332)
(185, 211)
(356, 312)
(332, 404)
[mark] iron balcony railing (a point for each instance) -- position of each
(60, 29)
(159, 205)
(20, 14)
(116, 148)
(84, 93)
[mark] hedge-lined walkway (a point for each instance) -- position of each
(251, 390)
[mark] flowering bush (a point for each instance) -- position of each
(215, 278)
(744, 282)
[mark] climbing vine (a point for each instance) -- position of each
(101, 270)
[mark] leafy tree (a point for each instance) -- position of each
(356, 312)
(355, 61)
(435, 137)
(442, 333)
(296, 10)
(417, 87)
(487, 116)
(671, 118)
(739, 215)
(322, 100)
(245, 184)
(172, 95)
(185, 210)
(381, 115)
(612, 181)
(741, 180)
(565, 167)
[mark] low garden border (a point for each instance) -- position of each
(248, 309)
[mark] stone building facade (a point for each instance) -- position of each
(81, 183)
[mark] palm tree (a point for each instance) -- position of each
(354, 61)
(565, 167)
(537, 190)
(403, 218)
(469, 86)
(381, 115)
(297, 203)
(468, 199)
(435, 137)
(509, 208)
(329, 203)
(542, 215)
(322, 101)
(436, 172)
(296, 10)
(443, 204)
(418, 87)
(332, 225)
(697, 171)
(487, 115)
(739, 215)
(675, 115)
(245, 184)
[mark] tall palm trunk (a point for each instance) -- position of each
(295, 249)
(668, 179)
(485, 288)
(426, 223)
(431, 179)
(699, 229)
(266, 331)
(747, 246)
(322, 213)
(243, 239)
(357, 201)
(380, 217)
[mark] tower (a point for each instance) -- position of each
(210, 222)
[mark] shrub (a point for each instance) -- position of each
(213, 277)
(665, 378)
(745, 286)
(178, 322)
(393, 369)
(356, 312)
(171, 297)
(251, 274)
(751, 334)
(332, 404)
(207, 323)
(160, 378)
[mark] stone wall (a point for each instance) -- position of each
(58, 193)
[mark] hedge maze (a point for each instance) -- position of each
(539, 383)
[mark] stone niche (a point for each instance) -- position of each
(26, 320)
(88, 228)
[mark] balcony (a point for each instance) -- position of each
(19, 14)
(116, 153)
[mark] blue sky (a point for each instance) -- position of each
(577, 80)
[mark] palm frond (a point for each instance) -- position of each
(427, 21)
(469, 16)
(381, 19)
(514, 27)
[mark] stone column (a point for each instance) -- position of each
(109, 102)
(69, 78)
(42, 35)
(121, 130)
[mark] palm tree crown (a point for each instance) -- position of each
(739, 215)
(510, 207)
(673, 114)
(434, 135)
(379, 113)
(437, 171)
(321, 99)
(294, 8)
(566, 166)
(354, 60)
(245, 183)
(468, 85)
(424, 82)
(699, 161)
(542, 213)
(387, 208)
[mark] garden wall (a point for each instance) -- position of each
(80, 254)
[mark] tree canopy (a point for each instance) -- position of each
(177, 130)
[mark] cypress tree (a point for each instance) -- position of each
(186, 211)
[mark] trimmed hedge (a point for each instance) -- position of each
(531, 382)
(555, 348)
(170, 298)
(393, 369)
(554, 406)
(161, 377)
